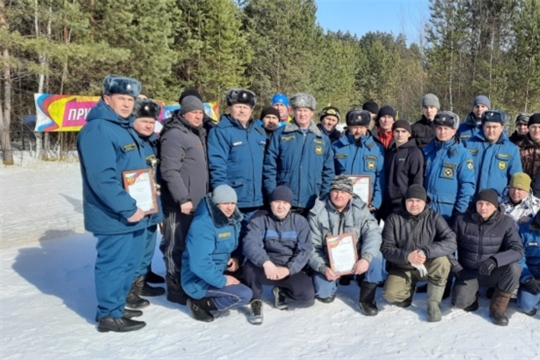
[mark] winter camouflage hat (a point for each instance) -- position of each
(114, 84)
(303, 100)
(342, 183)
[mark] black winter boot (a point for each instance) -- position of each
(133, 300)
(175, 293)
(122, 324)
(153, 278)
(148, 290)
(367, 298)
(128, 313)
(200, 309)
(497, 307)
(474, 305)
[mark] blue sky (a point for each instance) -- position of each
(360, 16)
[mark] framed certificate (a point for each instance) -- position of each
(140, 185)
(342, 253)
(362, 187)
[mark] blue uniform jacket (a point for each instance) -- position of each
(302, 161)
(449, 176)
(211, 239)
(530, 262)
(286, 242)
(495, 163)
(235, 158)
(151, 155)
(469, 128)
(365, 157)
(108, 146)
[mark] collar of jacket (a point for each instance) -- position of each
(408, 215)
(218, 217)
(293, 126)
(502, 139)
(436, 145)
(425, 121)
(349, 139)
(334, 132)
(527, 142)
(493, 218)
(471, 120)
(410, 143)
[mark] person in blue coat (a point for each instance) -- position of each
(449, 169)
(236, 152)
(529, 290)
(495, 157)
(107, 146)
(211, 256)
(357, 153)
(146, 113)
(473, 121)
(300, 156)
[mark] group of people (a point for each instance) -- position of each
(246, 203)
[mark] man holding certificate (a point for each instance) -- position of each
(108, 147)
(346, 240)
(416, 243)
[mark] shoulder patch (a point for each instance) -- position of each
(474, 151)
(470, 164)
(129, 147)
(224, 235)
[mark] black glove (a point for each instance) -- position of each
(532, 286)
(463, 275)
(487, 267)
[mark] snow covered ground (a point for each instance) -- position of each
(47, 302)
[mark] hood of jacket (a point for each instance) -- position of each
(218, 217)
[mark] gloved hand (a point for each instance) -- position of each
(532, 286)
(422, 269)
(487, 267)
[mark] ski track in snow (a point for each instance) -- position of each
(47, 301)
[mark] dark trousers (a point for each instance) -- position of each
(229, 296)
(505, 278)
(148, 252)
(173, 242)
(298, 287)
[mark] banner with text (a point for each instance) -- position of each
(68, 112)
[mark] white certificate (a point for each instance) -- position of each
(140, 186)
(362, 187)
(342, 253)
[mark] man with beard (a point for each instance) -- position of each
(270, 120)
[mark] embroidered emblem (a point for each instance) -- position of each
(318, 150)
(371, 165)
(502, 165)
(470, 164)
(448, 173)
(130, 147)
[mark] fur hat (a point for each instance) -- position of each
(446, 118)
(357, 117)
(431, 100)
(114, 84)
(146, 108)
(241, 96)
(495, 116)
(303, 100)
(332, 111)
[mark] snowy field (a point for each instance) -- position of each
(48, 303)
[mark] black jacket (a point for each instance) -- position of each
(423, 132)
(515, 137)
(334, 135)
(403, 167)
(404, 233)
(183, 169)
(479, 240)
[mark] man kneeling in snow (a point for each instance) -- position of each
(277, 247)
(416, 243)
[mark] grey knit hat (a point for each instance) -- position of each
(224, 194)
(342, 183)
(416, 191)
(191, 103)
(431, 100)
(303, 100)
(481, 99)
(241, 96)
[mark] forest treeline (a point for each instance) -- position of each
(467, 47)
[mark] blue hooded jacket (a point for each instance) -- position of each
(108, 146)
(530, 262)
(303, 161)
(495, 163)
(211, 239)
(235, 158)
(449, 177)
(365, 157)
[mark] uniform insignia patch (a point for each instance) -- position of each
(224, 235)
(341, 156)
(130, 147)
(502, 165)
(318, 150)
(448, 173)
(470, 164)
(317, 141)
(287, 138)
(371, 165)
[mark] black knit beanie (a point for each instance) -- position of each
(490, 196)
(417, 192)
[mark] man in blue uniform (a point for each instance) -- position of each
(300, 156)
(108, 146)
(473, 122)
(357, 153)
(495, 157)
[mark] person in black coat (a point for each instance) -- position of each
(416, 244)
(423, 130)
(522, 128)
(208, 123)
(489, 248)
(330, 117)
(403, 166)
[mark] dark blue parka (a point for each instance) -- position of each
(108, 146)
(470, 127)
(235, 158)
(210, 242)
(303, 161)
(530, 262)
(364, 157)
(495, 163)
(449, 177)
(285, 242)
